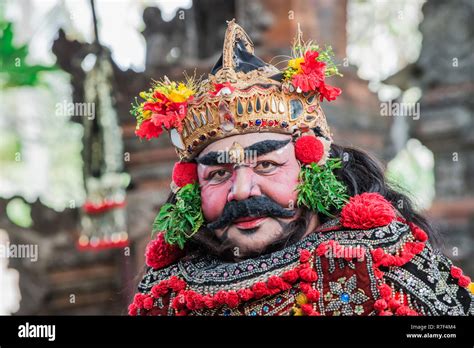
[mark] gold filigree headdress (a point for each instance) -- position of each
(241, 95)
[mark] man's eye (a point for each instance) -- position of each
(219, 175)
(265, 167)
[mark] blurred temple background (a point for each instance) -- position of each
(77, 185)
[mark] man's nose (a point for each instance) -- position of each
(243, 185)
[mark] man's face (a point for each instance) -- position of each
(248, 204)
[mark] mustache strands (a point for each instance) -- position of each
(256, 206)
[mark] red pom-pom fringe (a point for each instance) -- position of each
(309, 149)
(160, 254)
(184, 173)
(367, 210)
(463, 280)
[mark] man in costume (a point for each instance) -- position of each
(267, 216)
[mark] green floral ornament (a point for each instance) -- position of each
(181, 220)
(319, 189)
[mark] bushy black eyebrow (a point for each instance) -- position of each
(257, 149)
(266, 146)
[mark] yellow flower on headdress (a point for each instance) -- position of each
(180, 93)
(295, 64)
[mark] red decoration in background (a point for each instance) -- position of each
(308, 149)
(102, 245)
(184, 173)
(367, 210)
(88, 243)
(102, 207)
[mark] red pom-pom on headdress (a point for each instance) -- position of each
(308, 149)
(184, 173)
(367, 210)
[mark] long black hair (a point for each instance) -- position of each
(360, 172)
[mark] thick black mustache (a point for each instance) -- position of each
(255, 206)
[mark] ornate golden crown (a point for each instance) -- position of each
(239, 98)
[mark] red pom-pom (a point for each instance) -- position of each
(305, 255)
(148, 303)
(160, 254)
(260, 289)
(189, 299)
(394, 304)
(179, 302)
(312, 295)
(403, 311)
(176, 284)
(308, 149)
(386, 314)
(380, 305)
(160, 289)
(184, 173)
(245, 294)
(464, 281)
(132, 309)
(198, 301)
(305, 287)
(378, 254)
(220, 297)
(208, 301)
(385, 291)
(308, 275)
(418, 233)
(275, 282)
(290, 276)
(307, 309)
(414, 247)
(138, 300)
(367, 210)
(322, 249)
(456, 272)
(232, 299)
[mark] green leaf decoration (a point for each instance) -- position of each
(319, 189)
(182, 219)
(14, 71)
